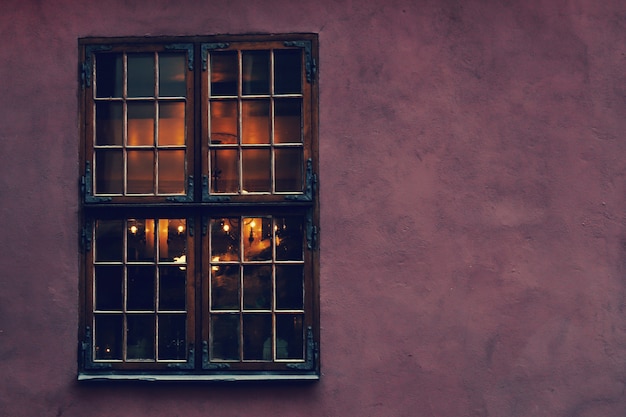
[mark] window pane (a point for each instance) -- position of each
(109, 126)
(257, 287)
(140, 172)
(109, 81)
(140, 124)
(255, 123)
(288, 120)
(224, 171)
(109, 240)
(256, 170)
(287, 71)
(109, 172)
(172, 124)
(224, 122)
(225, 287)
(171, 172)
(140, 336)
(289, 336)
(289, 167)
(172, 336)
(225, 239)
(140, 288)
(224, 73)
(172, 75)
(289, 287)
(140, 240)
(109, 288)
(256, 72)
(173, 240)
(108, 331)
(172, 288)
(257, 337)
(289, 239)
(140, 75)
(225, 337)
(257, 239)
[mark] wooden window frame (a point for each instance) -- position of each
(196, 205)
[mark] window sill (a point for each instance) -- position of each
(197, 377)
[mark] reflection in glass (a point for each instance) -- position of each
(257, 287)
(289, 287)
(287, 71)
(172, 336)
(140, 75)
(257, 239)
(257, 331)
(109, 288)
(109, 81)
(288, 120)
(224, 171)
(289, 238)
(140, 287)
(224, 122)
(290, 334)
(172, 288)
(172, 75)
(172, 240)
(108, 336)
(140, 336)
(109, 172)
(172, 124)
(225, 287)
(225, 239)
(140, 172)
(171, 172)
(140, 124)
(109, 123)
(140, 238)
(255, 121)
(224, 73)
(289, 168)
(256, 72)
(109, 240)
(256, 170)
(225, 337)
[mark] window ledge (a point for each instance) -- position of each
(196, 377)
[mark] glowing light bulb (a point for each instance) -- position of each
(252, 224)
(133, 229)
(180, 228)
(226, 227)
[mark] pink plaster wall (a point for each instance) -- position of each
(473, 236)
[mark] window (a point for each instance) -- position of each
(199, 214)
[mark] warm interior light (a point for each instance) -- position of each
(226, 228)
(133, 229)
(180, 228)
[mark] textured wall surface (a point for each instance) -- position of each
(473, 237)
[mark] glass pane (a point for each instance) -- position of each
(289, 167)
(256, 72)
(140, 124)
(109, 172)
(225, 287)
(172, 288)
(257, 337)
(256, 170)
(172, 75)
(287, 71)
(289, 239)
(109, 81)
(171, 172)
(288, 120)
(109, 126)
(172, 336)
(109, 240)
(255, 123)
(140, 288)
(257, 287)
(140, 172)
(289, 336)
(109, 288)
(224, 73)
(108, 332)
(225, 337)
(224, 171)
(173, 240)
(140, 75)
(289, 287)
(172, 124)
(257, 239)
(140, 336)
(225, 239)
(140, 240)
(224, 122)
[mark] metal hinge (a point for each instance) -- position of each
(311, 231)
(310, 65)
(206, 363)
(187, 47)
(86, 183)
(211, 198)
(86, 356)
(191, 360)
(86, 236)
(186, 197)
(311, 354)
(206, 47)
(310, 185)
(86, 68)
